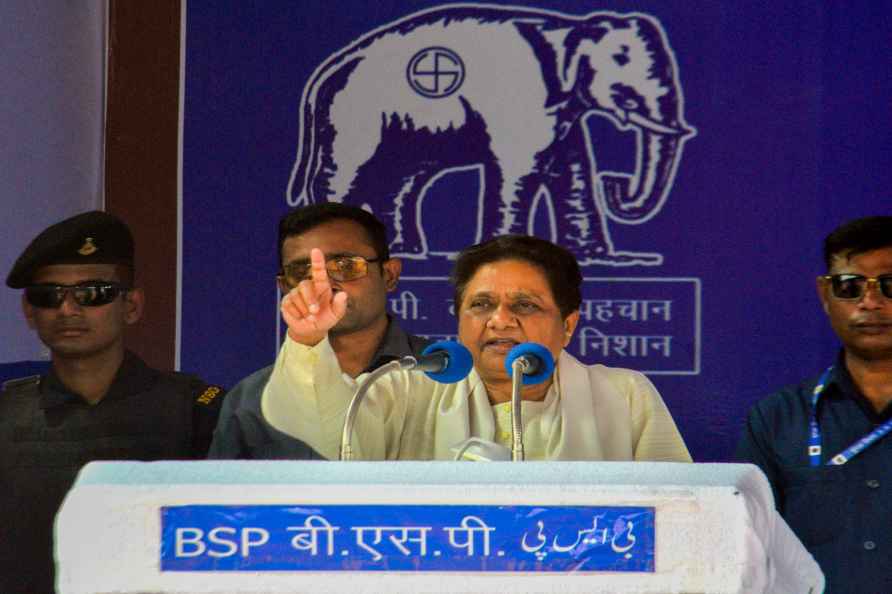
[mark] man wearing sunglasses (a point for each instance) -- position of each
(361, 269)
(97, 402)
(824, 444)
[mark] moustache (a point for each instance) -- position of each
(871, 320)
(64, 325)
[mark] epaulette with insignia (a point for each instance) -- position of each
(210, 393)
(205, 412)
(21, 382)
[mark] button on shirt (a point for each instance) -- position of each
(843, 514)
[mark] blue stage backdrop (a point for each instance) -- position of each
(691, 154)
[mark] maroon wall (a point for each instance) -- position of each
(141, 157)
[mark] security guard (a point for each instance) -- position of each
(98, 401)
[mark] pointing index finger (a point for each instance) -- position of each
(318, 271)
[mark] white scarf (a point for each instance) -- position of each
(585, 418)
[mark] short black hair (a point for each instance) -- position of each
(857, 237)
(301, 220)
(557, 264)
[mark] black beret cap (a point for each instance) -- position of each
(93, 237)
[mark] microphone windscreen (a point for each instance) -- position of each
(534, 352)
(459, 365)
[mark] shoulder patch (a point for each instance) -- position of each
(21, 382)
(208, 396)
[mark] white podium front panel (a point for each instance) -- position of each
(270, 527)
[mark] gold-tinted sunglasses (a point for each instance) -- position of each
(340, 268)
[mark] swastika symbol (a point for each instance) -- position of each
(435, 72)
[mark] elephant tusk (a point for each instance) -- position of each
(653, 126)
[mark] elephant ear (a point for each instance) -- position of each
(557, 48)
(572, 54)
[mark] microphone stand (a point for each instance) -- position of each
(518, 367)
(353, 408)
(443, 361)
(530, 363)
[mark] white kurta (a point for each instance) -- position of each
(596, 412)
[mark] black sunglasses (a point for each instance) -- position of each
(853, 286)
(89, 294)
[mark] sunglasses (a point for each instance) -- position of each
(340, 268)
(853, 286)
(89, 294)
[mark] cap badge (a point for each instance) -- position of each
(88, 248)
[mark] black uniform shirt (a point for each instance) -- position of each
(47, 433)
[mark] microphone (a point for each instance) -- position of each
(445, 361)
(528, 363)
(536, 362)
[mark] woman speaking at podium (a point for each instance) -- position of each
(508, 291)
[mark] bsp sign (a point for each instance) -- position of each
(407, 538)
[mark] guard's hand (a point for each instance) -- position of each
(312, 308)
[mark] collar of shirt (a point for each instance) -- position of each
(395, 345)
(133, 376)
(841, 385)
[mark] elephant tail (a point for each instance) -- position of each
(298, 192)
(313, 164)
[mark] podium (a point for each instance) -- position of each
(433, 527)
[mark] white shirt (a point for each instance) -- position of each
(595, 413)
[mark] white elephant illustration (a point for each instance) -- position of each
(508, 90)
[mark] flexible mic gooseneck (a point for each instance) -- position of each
(528, 363)
(445, 361)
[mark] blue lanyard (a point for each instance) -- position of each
(814, 436)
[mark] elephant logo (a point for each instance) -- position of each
(512, 92)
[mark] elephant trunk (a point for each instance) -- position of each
(656, 162)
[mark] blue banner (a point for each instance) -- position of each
(482, 538)
(691, 154)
